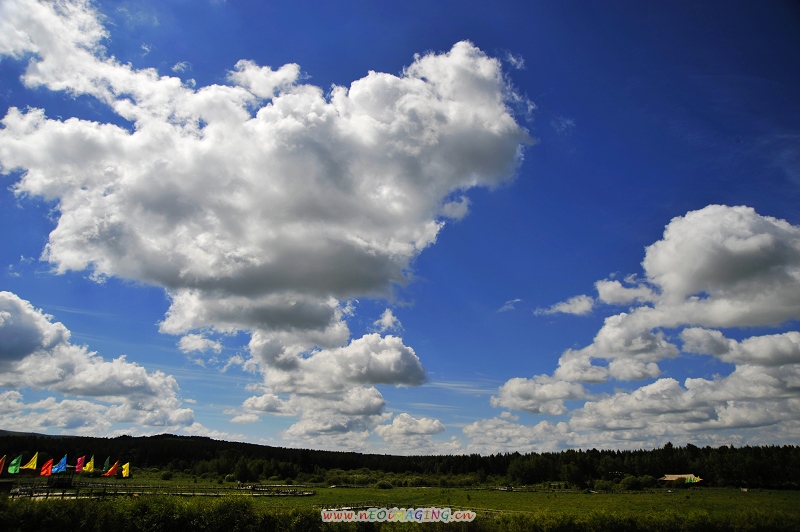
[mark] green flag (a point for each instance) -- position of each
(13, 467)
(107, 464)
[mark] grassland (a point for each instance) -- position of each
(653, 511)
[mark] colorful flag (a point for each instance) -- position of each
(13, 467)
(89, 467)
(47, 469)
(61, 466)
(113, 471)
(105, 466)
(32, 463)
(79, 464)
(2, 464)
(126, 470)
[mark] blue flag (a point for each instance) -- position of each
(61, 466)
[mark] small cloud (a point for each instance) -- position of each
(387, 322)
(579, 305)
(182, 66)
(509, 305)
(198, 342)
(146, 49)
(456, 209)
(614, 292)
(516, 61)
(235, 360)
(563, 125)
(245, 418)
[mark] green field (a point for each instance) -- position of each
(713, 501)
(717, 505)
(660, 510)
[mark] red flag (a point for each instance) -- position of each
(47, 469)
(79, 464)
(2, 464)
(111, 472)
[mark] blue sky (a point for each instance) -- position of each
(458, 227)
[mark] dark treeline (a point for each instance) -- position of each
(756, 467)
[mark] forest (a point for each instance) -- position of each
(774, 467)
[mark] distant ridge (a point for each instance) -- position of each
(768, 466)
(38, 435)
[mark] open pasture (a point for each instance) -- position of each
(660, 510)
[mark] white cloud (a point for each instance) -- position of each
(726, 267)
(264, 217)
(263, 81)
(69, 415)
(456, 209)
(181, 66)
(716, 267)
(198, 342)
(387, 322)
(623, 336)
(579, 305)
(613, 292)
(497, 435)
(405, 425)
(36, 352)
(509, 305)
(371, 359)
(540, 395)
(263, 205)
(629, 369)
(576, 365)
(25, 330)
(768, 350)
(515, 61)
(245, 418)
(563, 125)
(330, 390)
(749, 398)
(329, 419)
(264, 403)
(409, 435)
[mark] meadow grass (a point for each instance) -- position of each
(711, 500)
(656, 511)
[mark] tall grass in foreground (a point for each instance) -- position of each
(235, 514)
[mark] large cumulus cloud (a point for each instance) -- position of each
(260, 199)
(263, 204)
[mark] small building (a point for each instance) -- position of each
(688, 478)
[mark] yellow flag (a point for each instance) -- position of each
(32, 463)
(126, 470)
(88, 467)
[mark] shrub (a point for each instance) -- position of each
(166, 475)
(384, 485)
(603, 485)
(630, 483)
(648, 481)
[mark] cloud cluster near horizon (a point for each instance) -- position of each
(263, 205)
(715, 271)
(99, 395)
